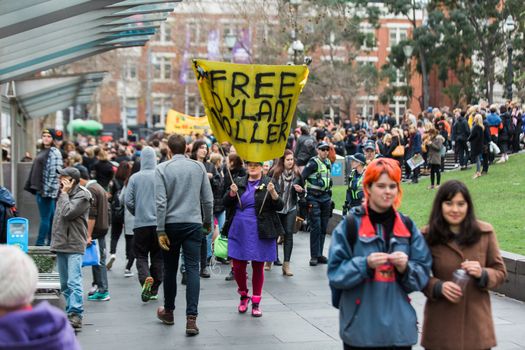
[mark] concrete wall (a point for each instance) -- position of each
(513, 287)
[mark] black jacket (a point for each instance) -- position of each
(305, 149)
(476, 141)
(460, 130)
(268, 222)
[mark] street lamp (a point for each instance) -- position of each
(407, 50)
(509, 28)
(297, 46)
(230, 41)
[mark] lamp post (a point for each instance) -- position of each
(407, 50)
(297, 46)
(230, 41)
(509, 28)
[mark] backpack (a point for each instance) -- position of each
(117, 207)
(6, 213)
(351, 237)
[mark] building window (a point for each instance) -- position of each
(366, 107)
(396, 35)
(165, 32)
(131, 110)
(368, 38)
(161, 106)
(193, 105)
(194, 33)
(161, 68)
(400, 77)
(398, 106)
(129, 71)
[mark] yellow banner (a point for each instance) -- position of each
(184, 124)
(250, 106)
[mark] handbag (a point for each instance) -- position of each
(220, 247)
(399, 151)
(92, 255)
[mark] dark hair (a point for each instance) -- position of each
(196, 145)
(177, 144)
(123, 171)
(135, 168)
(236, 160)
(439, 229)
(279, 166)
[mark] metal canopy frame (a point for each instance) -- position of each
(41, 96)
(36, 35)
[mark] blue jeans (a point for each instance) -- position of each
(100, 272)
(319, 208)
(188, 237)
(70, 272)
(46, 208)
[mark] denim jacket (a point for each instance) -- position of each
(374, 305)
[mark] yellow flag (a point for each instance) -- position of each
(250, 106)
(184, 124)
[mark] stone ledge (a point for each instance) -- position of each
(514, 285)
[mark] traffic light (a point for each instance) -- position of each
(130, 133)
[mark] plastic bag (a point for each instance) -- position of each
(92, 255)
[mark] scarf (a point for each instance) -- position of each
(286, 182)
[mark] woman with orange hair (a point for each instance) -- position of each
(377, 257)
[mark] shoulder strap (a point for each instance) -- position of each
(351, 230)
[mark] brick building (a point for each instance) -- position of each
(145, 82)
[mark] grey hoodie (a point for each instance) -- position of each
(183, 193)
(140, 192)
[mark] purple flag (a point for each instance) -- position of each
(241, 51)
(214, 53)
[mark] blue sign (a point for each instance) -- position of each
(337, 169)
(18, 232)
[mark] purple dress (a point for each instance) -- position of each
(243, 237)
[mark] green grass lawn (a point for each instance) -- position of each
(499, 198)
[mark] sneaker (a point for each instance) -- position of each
(205, 272)
(313, 262)
(146, 289)
(110, 262)
(322, 259)
(230, 276)
(128, 273)
(99, 297)
(166, 316)
(184, 279)
(93, 289)
(75, 321)
(191, 325)
(154, 297)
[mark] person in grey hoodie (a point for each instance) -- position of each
(182, 191)
(140, 201)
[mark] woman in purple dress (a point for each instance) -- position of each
(252, 227)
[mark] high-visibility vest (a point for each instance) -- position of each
(320, 180)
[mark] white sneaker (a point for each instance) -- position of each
(110, 262)
(128, 273)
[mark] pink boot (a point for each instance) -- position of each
(245, 300)
(256, 311)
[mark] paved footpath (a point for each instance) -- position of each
(297, 313)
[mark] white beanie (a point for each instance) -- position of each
(18, 277)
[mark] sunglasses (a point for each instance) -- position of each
(324, 149)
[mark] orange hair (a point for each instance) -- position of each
(381, 166)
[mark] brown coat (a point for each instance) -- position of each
(468, 324)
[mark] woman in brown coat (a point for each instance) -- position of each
(460, 318)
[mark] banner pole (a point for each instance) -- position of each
(229, 173)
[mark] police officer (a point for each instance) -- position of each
(317, 175)
(354, 192)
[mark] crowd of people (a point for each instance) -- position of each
(173, 195)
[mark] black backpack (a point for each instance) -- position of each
(117, 207)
